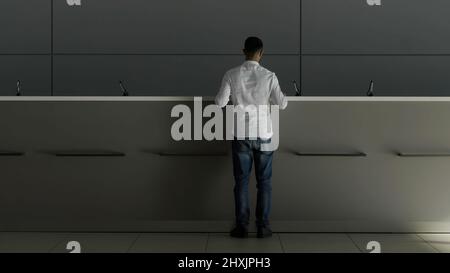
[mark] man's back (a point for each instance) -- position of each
(252, 85)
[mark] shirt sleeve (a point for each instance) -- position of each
(223, 96)
(276, 95)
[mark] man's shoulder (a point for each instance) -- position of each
(233, 70)
(266, 71)
(260, 68)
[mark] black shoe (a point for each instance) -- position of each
(264, 232)
(239, 232)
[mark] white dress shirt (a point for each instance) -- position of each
(251, 85)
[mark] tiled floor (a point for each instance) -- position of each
(221, 242)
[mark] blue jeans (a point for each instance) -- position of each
(244, 153)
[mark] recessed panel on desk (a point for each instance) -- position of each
(175, 26)
(157, 75)
(25, 26)
(353, 26)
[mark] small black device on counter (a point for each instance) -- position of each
(124, 90)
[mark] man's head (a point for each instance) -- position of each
(253, 49)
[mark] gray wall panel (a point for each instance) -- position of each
(32, 71)
(396, 26)
(393, 75)
(174, 26)
(25, 26)
(157, 75)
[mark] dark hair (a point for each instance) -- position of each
(253, 45)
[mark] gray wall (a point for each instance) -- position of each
(176, 47)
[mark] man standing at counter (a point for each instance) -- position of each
(252, 85)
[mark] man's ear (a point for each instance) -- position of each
(261, 52)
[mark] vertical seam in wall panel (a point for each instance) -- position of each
(51, 47)
(301, 48)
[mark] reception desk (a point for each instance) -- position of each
(344, 164)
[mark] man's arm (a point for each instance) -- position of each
(223, 96)
(276, 95)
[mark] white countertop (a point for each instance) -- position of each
(178, 98)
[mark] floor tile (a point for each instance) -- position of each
(29, 242)
(99, 242)
(34, 242)
(440, 242)
(317, 243)
(222, 242)
(170, 242)
(394, 243)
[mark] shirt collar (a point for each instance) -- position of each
(251, 62)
